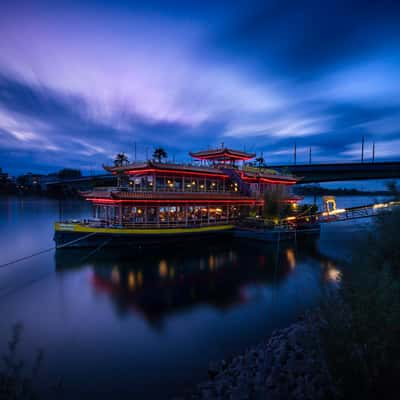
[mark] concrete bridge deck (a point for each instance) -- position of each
(313, 173)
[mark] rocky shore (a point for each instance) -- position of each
(289, 365)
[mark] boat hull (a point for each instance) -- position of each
(76, 235)
(274, 235)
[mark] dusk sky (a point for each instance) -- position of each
(81, 81)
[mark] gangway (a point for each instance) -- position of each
(341, 214)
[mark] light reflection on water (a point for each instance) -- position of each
(147, 325)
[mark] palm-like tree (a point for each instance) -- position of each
(159, 154)
(120, 160)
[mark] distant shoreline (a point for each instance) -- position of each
(320, 191)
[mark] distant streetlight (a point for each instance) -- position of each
(362, 149)
(373, 151)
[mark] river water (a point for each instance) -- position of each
(147, 325)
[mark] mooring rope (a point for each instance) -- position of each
(46, 250)
(106, 242)
(49, 272)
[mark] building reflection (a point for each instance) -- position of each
(156, 285)
(291, 258)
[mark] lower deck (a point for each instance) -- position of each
(87, 235)
(154, 215)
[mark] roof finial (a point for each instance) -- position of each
(222, 145)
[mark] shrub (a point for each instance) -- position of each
(362, 335)
(15, 383)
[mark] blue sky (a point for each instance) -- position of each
(81, 81)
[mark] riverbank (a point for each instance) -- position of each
(348, 349)
(290, 364)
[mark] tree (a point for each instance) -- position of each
(69, 173)
(159, 154)
(120, 160)
(272, 205)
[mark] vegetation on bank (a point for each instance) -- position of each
(276, 209)
(362, 335)
(17, 380)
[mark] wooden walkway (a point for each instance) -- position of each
(343, 214)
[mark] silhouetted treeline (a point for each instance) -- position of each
(33, 184)
(312, 190)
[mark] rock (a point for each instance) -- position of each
(287, 365)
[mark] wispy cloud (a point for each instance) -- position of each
(85, 84)
(383, 149)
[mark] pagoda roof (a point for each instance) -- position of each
(222, 154)
(152, 166)
(272, 177)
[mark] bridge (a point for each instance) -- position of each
(82, 183)
(313, 173)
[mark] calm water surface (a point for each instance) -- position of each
(147, 325)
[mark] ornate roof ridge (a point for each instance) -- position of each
(221, 152)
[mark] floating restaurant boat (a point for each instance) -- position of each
(157, 202)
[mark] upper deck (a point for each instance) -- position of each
(220, 176)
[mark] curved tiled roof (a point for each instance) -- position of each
(221, 154)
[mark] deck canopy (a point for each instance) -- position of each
(151, 167)
(223, 154)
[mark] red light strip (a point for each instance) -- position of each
(170, 201)
(266, 180)
(177, 172)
